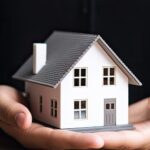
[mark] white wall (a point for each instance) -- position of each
(48, 93)
(95, 92)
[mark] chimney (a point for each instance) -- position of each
(39, 56)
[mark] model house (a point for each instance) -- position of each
(75, 80)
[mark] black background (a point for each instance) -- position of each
(124, 25)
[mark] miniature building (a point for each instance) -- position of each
(76, 81)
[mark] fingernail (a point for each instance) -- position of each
(20, 118)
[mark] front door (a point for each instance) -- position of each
(110, 112)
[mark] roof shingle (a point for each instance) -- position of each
(64, 49)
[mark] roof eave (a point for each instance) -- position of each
(36, 82)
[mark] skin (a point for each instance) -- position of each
(36, 136)
(16, 120)
(137, 139)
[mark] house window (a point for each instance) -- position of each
(41, 104)
(53, 106)
(80, 109)
(80, 77)
(109, 76)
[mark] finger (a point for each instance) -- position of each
(123, 140)
(139, 111)
(12, 112)
(39, 137)
(13, 93)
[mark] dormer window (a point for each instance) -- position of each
(80, 77)
(109, 76)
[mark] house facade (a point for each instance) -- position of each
(92, 93)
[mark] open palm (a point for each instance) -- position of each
(36, 136)
(139, 138)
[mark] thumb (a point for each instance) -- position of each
(12, 112)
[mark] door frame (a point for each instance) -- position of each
(110, 111)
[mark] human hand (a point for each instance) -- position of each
(16, 120)
(139, 115)
(36, 136)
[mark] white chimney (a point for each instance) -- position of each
(39, 56)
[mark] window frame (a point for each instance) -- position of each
(80, 109)
(108, 77)
(40, 104)
(80, 77)
(53, 108)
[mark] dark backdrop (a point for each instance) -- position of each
(124, 25)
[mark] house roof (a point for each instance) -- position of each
(64, 50)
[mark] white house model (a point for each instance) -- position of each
(76, 81)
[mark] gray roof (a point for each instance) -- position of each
(64, 50)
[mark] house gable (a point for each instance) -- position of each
(95, 92)
(94, 60)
